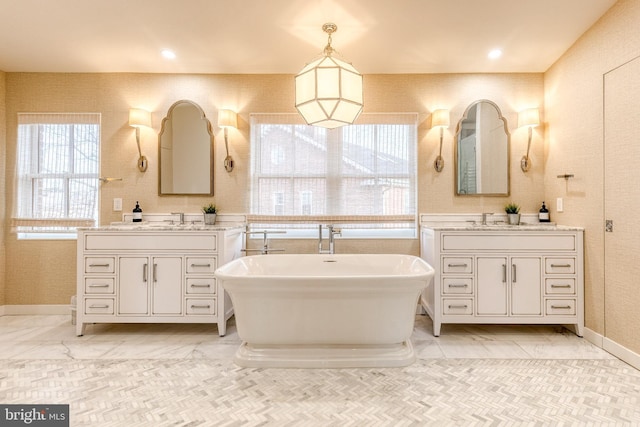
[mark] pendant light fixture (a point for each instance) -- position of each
(329, 90)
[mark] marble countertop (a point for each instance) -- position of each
(504, 227)
(164, 226)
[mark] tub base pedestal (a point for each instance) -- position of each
(325, 356)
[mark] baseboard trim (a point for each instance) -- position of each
(622, 353)
(593, 337)
(608, 345)
(16, 310)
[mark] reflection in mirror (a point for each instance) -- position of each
(482, 151)
(185, 151)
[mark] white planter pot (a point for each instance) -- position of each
(514, 219)
(209, 219)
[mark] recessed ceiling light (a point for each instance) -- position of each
(168, 54)
(495, 54)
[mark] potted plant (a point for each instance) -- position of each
(210, 212)
(513, 212)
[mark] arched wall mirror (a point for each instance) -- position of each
(482, 151)
(185, 151)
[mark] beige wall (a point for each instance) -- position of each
(574, 144)
(3, 192)
(53, 281)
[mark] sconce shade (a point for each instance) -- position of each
(139, 117)
(329, 90)
(529, 117)
(227, 118)
(440, 118)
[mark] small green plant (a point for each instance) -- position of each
(210, 209)
(512, 208)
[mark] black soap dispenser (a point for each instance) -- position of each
(543, 215)
(137, 213)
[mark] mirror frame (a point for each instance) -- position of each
(207, 123)
(455, 150)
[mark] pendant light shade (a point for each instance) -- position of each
(329, 90)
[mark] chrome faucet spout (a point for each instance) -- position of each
(181, 214)
(485, 215)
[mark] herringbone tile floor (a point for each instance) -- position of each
(182, 375)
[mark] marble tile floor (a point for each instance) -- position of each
(155, 374)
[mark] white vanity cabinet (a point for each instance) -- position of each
(527, 275)
(148, 275)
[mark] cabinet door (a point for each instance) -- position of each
(133, 289)
(491, 298)
(526, 286)
(166, 274)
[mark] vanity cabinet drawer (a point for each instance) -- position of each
(457, 265)
(205, 285)
(457, 285)
(560, 265)
(508, 241)
(201, 265)
(151, 241)
(99, 285)
(99, 306)
(561, 307)
(564, 286)
(457, 306)
(201, 306)
(99, 265)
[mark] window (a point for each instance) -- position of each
(57, 174)
(363, 175)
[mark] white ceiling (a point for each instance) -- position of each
(281, 36)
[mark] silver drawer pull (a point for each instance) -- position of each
(98, 285)
(560, 265)
(457, 265)
(458, 285)
(99, 306)
(200, 306)
(100, 265)
(458, 305)
(201, 265)
(560, 286)
(195, 285)
(561, 306)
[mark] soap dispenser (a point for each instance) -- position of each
(543, 215)
(137, 213)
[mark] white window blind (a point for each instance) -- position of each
(363, 175)
(57, 173)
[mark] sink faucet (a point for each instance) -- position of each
(332, 233)
(181, 214)
(485, 215)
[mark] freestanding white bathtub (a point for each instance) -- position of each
(325, 311)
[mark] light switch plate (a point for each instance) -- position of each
(117, 204)
(559, 204)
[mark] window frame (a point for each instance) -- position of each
(30, 221)
(353, 226)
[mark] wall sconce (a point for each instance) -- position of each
(227, 119)
(529, 118)
(329, 90)
(439, 119)
(137, 118)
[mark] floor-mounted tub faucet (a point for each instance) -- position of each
(332, 233)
